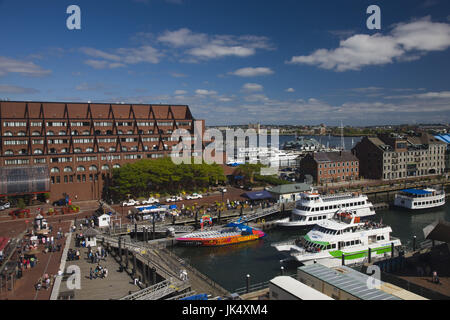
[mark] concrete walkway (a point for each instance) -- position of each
(115, 286)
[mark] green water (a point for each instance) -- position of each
(228, 266)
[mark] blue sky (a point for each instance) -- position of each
(235, 62)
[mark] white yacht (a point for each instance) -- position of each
(313, 208)
(266, 155)
(420, 198)
(342, 237)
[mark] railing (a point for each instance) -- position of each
(193, 270)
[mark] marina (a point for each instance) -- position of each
(262, 261)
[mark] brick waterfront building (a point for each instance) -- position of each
(400, 156)
(330, 166)
(80, 143)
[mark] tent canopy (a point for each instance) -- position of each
(258, 195)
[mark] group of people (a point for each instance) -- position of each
(44, 282)
(98, 272)
(73, 255)
(97, 255)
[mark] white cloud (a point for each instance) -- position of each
(251, 87)
(204, 92)
(426, 95)
(204, 46)
(178, 92)
(252, 72)
(5, 88)
(183, 38)
(121, 57)
(27, 68)
(211, 51)
(290, 90)
(406, 42)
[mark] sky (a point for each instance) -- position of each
(235, 62)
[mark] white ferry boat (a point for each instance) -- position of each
(420, 198)
(313, 208)
(344, 234)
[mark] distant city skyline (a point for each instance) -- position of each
(236, 62)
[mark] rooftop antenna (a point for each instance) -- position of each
(342, 137)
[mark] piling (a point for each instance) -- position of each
(248, 283)
(414, 243)
(343, 259)
(282, 270)
(369, 255)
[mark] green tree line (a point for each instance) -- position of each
(162, 176)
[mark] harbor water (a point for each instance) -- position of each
(229, 265)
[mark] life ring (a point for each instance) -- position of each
(263, 221)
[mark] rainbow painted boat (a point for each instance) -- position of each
(232, 233)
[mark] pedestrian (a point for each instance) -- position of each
(90, 274)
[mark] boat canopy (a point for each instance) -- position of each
(416, 191)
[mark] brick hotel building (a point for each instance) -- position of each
(78, 144)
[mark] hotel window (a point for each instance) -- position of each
(54, 170)
(77, 150)
(89, 149)
(68, 169)
(105, 167)
(9, 153)
(62, 133)
(17, 161)
(50, 133)
(81, 169)
(116, 166)
(112, 149)
(14, 124)
(86, 133)
(163, 123)
(42, 160)
(36, 124)
(35, 133)
(15, 142)
(124, 124)
(101, 149)
(93, 168)
(38, 151)
(8, 134)
(21, 133)
(66, 179)
(56, 124)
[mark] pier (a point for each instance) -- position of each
(160, 271)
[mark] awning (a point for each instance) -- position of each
(416, 191)
(438, 230)
(258, 195)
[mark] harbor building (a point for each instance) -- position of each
(345, 283)
(395, 156)
(78, 144)
(446, 139)
(330, 166)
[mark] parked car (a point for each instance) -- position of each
(174, 199)
(194, 196)
(4, 206)
(60, 202)
(150, 200)
(130, 203)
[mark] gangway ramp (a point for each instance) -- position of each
(159, 290)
